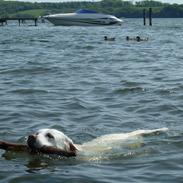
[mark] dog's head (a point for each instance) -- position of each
(50, 138)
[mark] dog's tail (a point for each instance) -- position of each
(149, 132)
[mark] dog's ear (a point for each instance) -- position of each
(72, 147)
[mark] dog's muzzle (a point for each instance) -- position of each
(31, 142)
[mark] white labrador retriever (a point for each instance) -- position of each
(51, 141)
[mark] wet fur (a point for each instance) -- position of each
(51, 141)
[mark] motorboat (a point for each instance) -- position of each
(83, 17)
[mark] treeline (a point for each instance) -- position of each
(118, 8)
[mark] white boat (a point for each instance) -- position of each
(83, 18)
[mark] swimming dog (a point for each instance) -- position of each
(52, 141)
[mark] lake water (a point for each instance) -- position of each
(70, 79)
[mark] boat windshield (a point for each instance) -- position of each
(85, 11)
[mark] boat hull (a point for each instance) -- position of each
(80, 22)
(75, 19)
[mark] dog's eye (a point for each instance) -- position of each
(49, 135)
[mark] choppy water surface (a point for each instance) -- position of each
(68, 78)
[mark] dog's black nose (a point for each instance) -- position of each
(31, 141)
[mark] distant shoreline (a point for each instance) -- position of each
(115, 7)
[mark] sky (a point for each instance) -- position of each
(165, 1)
